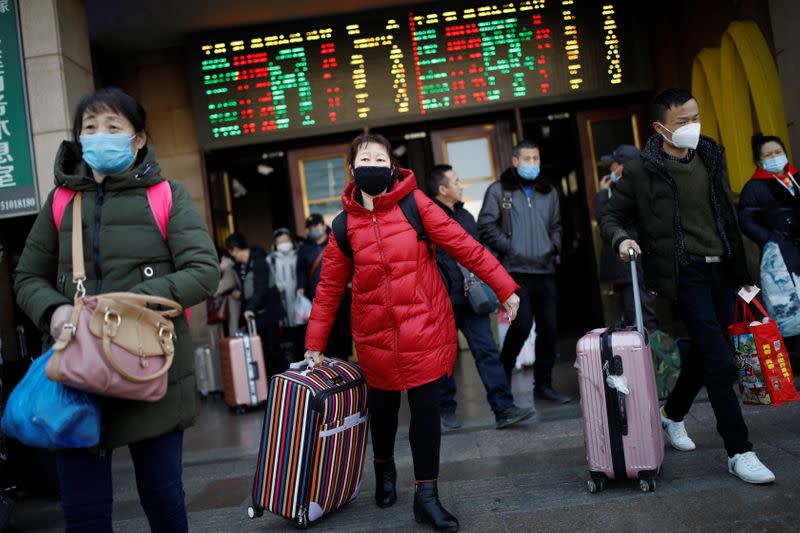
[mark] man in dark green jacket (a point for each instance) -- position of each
(678, 197)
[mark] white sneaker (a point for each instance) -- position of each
(747, 467)
(676, 434)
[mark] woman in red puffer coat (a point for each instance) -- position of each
(403, 325)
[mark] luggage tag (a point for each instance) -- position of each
(748, 292)
(619, 383)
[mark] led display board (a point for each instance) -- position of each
(317, 76)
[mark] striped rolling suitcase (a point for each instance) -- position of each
(313, 443)
(621, 420)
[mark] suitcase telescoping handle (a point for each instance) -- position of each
(637, 298)
(251, 327)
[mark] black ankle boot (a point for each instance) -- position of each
(428, 508)
(385, 480)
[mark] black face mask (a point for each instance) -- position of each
(373, 180)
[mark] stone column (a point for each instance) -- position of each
(58, 67)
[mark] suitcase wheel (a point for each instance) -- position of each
(596, 485)
(647, 485)
(240, 410)
(302, 519)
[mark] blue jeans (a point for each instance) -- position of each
(478, 332)
(86, 490)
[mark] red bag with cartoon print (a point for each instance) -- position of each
(765, 376)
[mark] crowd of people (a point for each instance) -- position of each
(399, 298)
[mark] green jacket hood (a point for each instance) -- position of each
(72, 172)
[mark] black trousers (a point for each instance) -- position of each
(793, 346)
(537, 297)
(424, 433)
(274, 358)
(706, 306)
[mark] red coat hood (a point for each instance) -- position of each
(761, 174)
(399, 189)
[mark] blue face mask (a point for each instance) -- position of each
(108, 153)
(615, 177)
(528, 172)
(775, 164)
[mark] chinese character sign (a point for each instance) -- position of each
(18, 194)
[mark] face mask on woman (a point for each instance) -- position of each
(775, 164)
(285, 247)
(373, 180)
(108, 153)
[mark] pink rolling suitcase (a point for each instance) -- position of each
(243, 374)
(621, 420)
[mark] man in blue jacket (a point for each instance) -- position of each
(444, 186)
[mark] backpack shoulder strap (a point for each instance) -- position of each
(410, 209)
(61, 199)
(339, 227)
(159, 196)
(505, 220)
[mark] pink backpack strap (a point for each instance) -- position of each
(159, 196)
(61, 199)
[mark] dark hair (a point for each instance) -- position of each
(759, 140)
(314, 219)
(236, 240)
(523, 145)
(666, 100)
(366, 138)
(437, 178)
(221, 252)
(281, 231)
(109, 99)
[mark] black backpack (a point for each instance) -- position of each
(411, 211)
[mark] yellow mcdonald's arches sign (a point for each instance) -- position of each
(728, 83)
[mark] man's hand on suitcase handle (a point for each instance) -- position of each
(626, 245)
(316, 357)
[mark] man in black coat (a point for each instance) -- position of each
(309, 266)
(612, 270)
(679, 196)
(444, 186)
(262, 301)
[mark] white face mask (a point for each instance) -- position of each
(284, 247)
(684, 137)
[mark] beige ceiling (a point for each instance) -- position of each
(152, 24)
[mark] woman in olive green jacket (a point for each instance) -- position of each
(112, 167)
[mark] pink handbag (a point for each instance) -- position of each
(114, 344)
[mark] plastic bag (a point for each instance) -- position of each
(527, 355)
(301, 310)
(780, 290)
(47, 414)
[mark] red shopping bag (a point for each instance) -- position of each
(765, 376)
